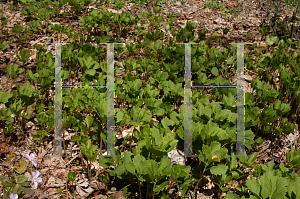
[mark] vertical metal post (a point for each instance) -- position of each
(58, 103)
(188, 122)
(110, 119)
(110, 122)
(240, 135)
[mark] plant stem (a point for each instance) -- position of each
(294, 18)
(101, 146)
(153, 191)
(64, 144)
(199, 179)
(131, 142)
(89, 171)
(81, 158)
(168, 190)
(140, 189)
(147, 190)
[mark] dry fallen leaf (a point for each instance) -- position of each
(10, 156)
(21, 166)
(3, 148)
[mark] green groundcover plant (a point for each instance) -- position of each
(150, 96)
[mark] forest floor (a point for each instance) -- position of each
(250, 15)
